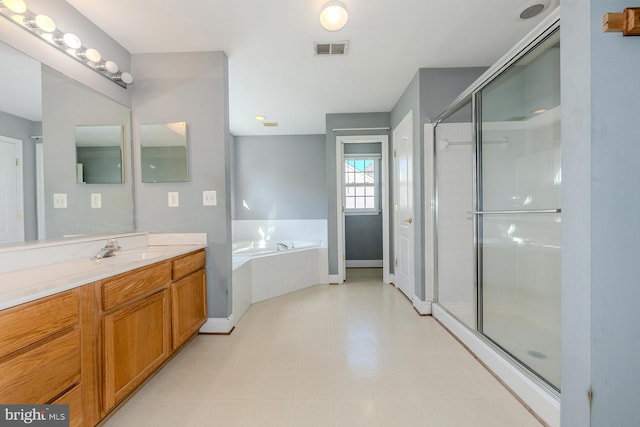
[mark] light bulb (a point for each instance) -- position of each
(90, 55)
(109, 66)
(72, 41)
(15, 6)
(45, 23)
(123, 77)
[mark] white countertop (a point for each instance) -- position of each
(17, 287)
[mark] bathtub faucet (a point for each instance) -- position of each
(109, 249)
(281, 247)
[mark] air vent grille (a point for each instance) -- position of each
(269, 124)
(337, 48)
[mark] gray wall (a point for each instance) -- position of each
(280, 177)
(336, 121)
(430, 91)
(600, 152)
(363, 233)
(189, 87)
(66, 104)
(22, 129)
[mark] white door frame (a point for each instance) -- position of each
(19, 182)
(384, 176)
(40, 198)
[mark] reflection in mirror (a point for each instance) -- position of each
(164, 152)
(67, 105)
(20, 124)
(99, 154)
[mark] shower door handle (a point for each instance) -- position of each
(530, 211)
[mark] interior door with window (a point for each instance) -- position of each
(404, 218)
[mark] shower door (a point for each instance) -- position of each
(518, 210)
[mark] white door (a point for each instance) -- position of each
(404, 219)
(11, 224)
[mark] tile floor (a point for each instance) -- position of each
(349, 355)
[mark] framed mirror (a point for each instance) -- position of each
(164, 152)
(99, 154)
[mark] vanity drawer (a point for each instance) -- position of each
(128, 286)
(187, 264)
(42, 373)
(28, 323)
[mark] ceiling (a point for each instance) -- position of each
(273, 70)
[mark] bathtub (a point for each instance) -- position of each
(254, 248)
(263, 270)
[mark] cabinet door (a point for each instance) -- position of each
(136, 341)
(188, 306)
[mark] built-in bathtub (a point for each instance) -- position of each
(263, 270)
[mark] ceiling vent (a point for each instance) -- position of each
(337, 48)
(269, 124)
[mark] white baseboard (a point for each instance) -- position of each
(364, 263)
(334, 278)
(422, 307)
(218, 325)
(541, 401)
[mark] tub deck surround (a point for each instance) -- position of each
(33, 271)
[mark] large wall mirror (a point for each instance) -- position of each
(164, 152)
(40, 111)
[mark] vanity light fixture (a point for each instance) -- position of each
(44, 27)
(333, 16)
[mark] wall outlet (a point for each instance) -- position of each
(209, 198)
(174, 199)
(96, 200)
(59, 200)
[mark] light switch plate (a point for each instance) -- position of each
(209, 198)
(96, 200)
(59, 200)
(173, 199)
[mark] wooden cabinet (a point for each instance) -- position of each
(188, 306)
(92, 346)
(136, 341)
(188, 296)
(40, 353)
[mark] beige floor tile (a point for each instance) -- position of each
(349, 355)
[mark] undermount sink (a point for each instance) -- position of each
(133, 255)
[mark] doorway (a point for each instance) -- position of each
(363, 203)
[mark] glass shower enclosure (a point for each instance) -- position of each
(498, 186)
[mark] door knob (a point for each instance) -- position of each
(409, 220)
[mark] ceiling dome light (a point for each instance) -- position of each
(333, 16)
(261, 118)
(15, 6)
(532, 9)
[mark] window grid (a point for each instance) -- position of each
(360, 184)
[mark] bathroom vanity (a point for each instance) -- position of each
(91, 346)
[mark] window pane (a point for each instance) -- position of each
(359, 191)
(359, 203)
(350, 191)
(370, 191)
(350, 203)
